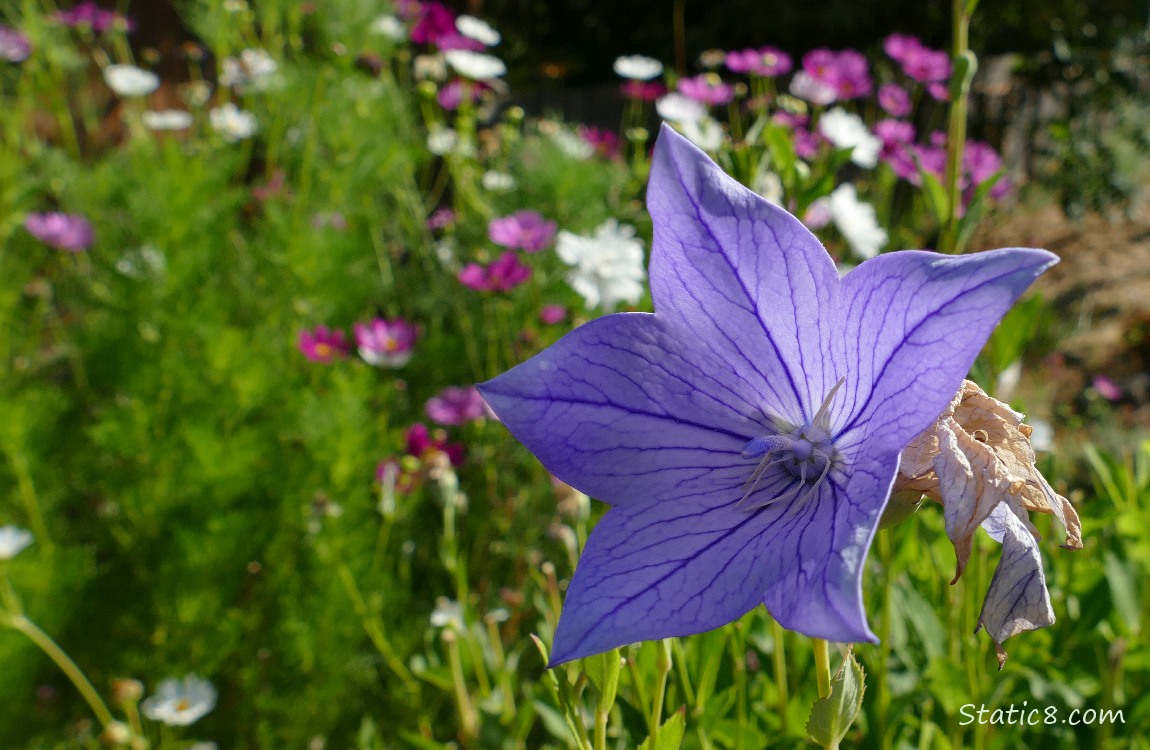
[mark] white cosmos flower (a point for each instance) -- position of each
(608, 265)
(442, 141)
(391, 27)
(679, 108)
(769, 185)
(638, 67)
(167, 119)
(473, 28)
(811, 89)
(179, 703)
(856, 221)
(447, 614)
(475, 65)
(706, 133)
(254, 69)
(497, 182)
(13, 540)
(233, 123)
(846, 130)
(128, 80)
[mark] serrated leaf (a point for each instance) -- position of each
(831, 717)
(670, 734)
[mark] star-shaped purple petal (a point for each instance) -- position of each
(749, 431)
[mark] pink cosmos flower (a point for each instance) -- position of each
(707, 88)
(980, 162)
(846, 72)
(766, 62)
(524, 230)
(459, 89)
(898, 45)
(894, 100)
(71, 232)
(552, 314)
(420, 443)
(323, 345)
(938, 91)
(806, 143)
(14, 46)
(456, 405)
(897, 138)
(791, 119)
(91, 15)
(605, 142)
(441, 219)
(927, 65)
(501, 275)
(646, 91)
(1107, 388)
(385, 343)
(435, 24)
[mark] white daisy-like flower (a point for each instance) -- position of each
(769, 185)
(429, 67)
(481, 31)
(475, 65)
(857, 221)
(807, 87)
(13, 541)
(706, 133)
(678, 108)
(254, 69)
(233, 123)
(497, 182)
(638, 67)
(167, 119)
(571, 144)
(179, 703)
(846, 130)
(391, 27)
(447, 614)
(442, 141)
(608, 265)
(128, 80)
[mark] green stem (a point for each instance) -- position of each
(468, 719)
(779, 660)
(823, 674)
(64, 662)
(662, 669)
(956, 128)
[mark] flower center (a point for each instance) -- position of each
(805, 452)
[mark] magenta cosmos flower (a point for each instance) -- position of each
(323, 345)
(766, 62)
(385, 343)
(894, 100)
(71, 232)
(93, 16)
(522, 230)
(501, 275)
(707, 88)
(748, 432)
(846, 72)
(456, 405)
(921, 63)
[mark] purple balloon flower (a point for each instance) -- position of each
(71, 232)
(524, 230)
(748, 432)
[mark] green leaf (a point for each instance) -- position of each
(1123, 591)
(935, 194)
(831, 717)
(603, 671)
(670, 734)
(965, 66)
(975, 210)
